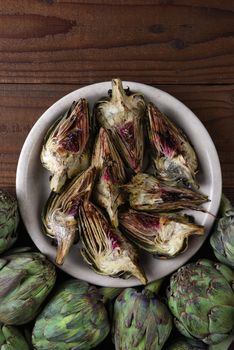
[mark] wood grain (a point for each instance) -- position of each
(21, 106)
(164, 41)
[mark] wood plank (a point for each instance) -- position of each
(156, 42)
(21, 106)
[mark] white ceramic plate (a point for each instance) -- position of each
(32, 181)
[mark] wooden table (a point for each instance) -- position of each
(49, 48)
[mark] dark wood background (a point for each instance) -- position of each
(49, 48)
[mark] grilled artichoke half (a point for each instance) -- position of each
(160, 234)
(146, 192)
(122, 116)
(65, 151)
(105, 248)
(174, 158)
(111, 174)
(60, 216)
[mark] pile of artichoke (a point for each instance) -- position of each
(113, 194)
(42, 309)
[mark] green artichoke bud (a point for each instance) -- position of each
(111, 175)
(74, 318)
(141, 321)
(201, 298)
(12, 339)
(174, 158)
(222, 239)
(65, 151)
(148, 193)
(122, 116)
(105, 248)
(187, 344)
(9, 219)
(161, 234)
(26, 279)
(60, 215)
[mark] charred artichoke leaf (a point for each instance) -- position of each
(105, 248)
(146, 192)
(174, 158)
(65, 151)
(161, 234)
(60, 216)
(111, 174)
(122, 116)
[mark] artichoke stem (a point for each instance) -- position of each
(64, 246)
(57, 181)
(118, 92)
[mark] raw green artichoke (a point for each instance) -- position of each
(26, 278)
(141, 321)
(9, 219)
(65, 151)
(174, 158)
(201, 298)
(111, 174)
(222, 239)
(161, 234)
(187, 344)
(146, 192)
(123, 116)
(60, 215)
(12, 339)
(74, 318)
(105, 248)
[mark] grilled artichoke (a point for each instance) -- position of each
(146, 192)
(12, 339)
(65, 151)
(201, 298)
(111, 175)
(161, 234)
(174, 158)
(60, 215)
(26, 278)
(104, 247)
(9, 219)
(75, 318)
(123, 116)
(222, 239)
(141, 321)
